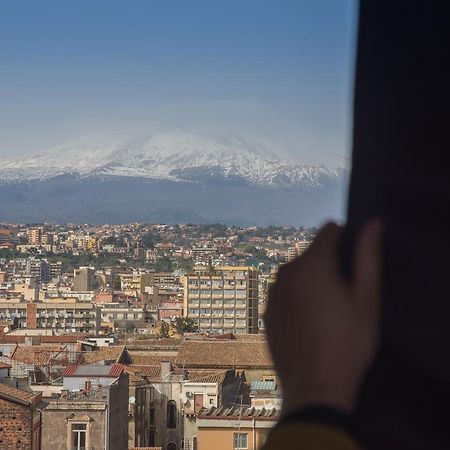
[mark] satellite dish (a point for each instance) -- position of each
(5, 330)
(132, 400)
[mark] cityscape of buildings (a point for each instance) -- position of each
(138, 335)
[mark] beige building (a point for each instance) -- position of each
(135, 283)
(70, 315)
(34, 236)
(223, 300)
(94, 417)
(234, 428)
(83, 279)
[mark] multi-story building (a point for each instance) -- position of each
(71, 315)
(83, 279)
(135, 283)
(291, 254)
(93, 411)
(141, 412)
(38, 269)
(223, 299)
(121, 313)
(34, 236)
(302, 246)
(55, 270)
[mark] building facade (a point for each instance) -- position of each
(95, 418)
(62, 317)
(223, 299)
(20, 420)
(234, 428)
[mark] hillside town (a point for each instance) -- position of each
(138, 335)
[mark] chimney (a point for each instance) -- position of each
(166, 370)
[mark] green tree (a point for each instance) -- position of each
(148, 240)
(185, 325)
(6, 253)
(164, 331)
(164, 264)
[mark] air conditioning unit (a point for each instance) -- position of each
(189, 394)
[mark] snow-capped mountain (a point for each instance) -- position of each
(166, 154)
(168, 175)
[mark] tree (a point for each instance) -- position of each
(164, 264)
(185, 325)
(148, 240)
(164, 330)
(129, 326)
(6, 253)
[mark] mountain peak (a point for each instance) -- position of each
(170, 153)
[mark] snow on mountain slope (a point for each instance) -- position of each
(168, 153)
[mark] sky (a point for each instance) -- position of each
(281, 70)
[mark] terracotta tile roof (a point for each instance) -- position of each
(250, 337)
(23, 397)
(5, 366)
(77, 370)
(155, 342)
(150, 359)
(224, 354)
(150, 373)
(112, 353)
(206, 376)
(62, 339)
(38, 355)
(239, 412)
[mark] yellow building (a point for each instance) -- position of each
(223, 299)
(135, 283)
(34, 236)
(234, 428)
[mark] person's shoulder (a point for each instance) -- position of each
(310, 436)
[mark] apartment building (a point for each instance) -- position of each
(223, 299)
(34, 236)
(121, 312)
(83, 279)
(135, 283)
(71, 315)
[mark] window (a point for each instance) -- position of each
(79, 437)
(171, 414)
(240, 440)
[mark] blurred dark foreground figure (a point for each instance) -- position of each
(371, 368)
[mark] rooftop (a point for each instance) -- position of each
(111, 353)
(239, 412)
(224, 354)
(40, 355)
(18, 395)
(112, 371)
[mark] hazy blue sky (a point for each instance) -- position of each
(281, 69)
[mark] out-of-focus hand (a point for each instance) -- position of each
(322, 329)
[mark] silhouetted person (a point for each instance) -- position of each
(399, 174)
